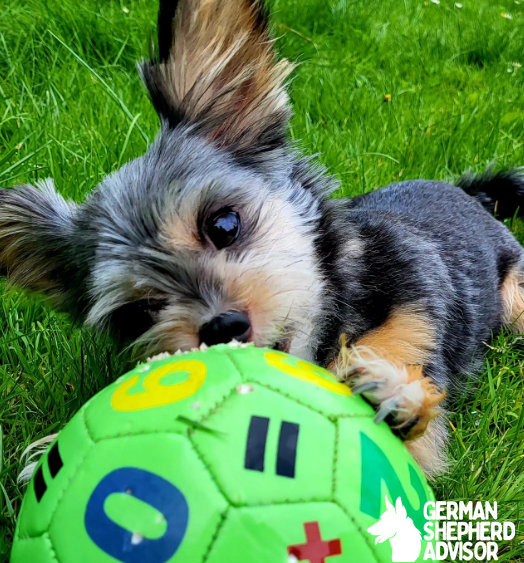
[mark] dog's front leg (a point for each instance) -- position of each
(392, 366)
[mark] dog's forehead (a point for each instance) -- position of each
(180, 171)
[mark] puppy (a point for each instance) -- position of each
(223, 231)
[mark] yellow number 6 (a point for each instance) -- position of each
(307, 372)
(156, 394)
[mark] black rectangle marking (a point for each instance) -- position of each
(54, 461)
(287, 449)
(256, 443)
(39, 484)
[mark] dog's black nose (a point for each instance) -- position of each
(226, 327)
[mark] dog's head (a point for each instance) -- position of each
(390, 521)
(210, 236)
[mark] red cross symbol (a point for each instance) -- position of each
(314, 550)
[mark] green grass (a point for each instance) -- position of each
(72, 107)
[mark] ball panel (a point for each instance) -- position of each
(264, 448)
(154, 395)
(162, 471)
(276, 533)
(372, 463)
(308, 383)
(52, 477)
(33, 550)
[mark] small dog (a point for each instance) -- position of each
(223, 231)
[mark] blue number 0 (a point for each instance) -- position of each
(151, 489)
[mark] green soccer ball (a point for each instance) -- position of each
(229, 455)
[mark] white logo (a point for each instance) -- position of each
(396, 526)
(448, 535)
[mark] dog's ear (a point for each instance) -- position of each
(217, 71)
(36, 246)
(399, 509)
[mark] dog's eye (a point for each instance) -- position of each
(223, 228)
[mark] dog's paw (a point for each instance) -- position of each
(401, 394)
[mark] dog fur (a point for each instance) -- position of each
(395, 291)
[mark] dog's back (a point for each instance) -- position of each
(432, 243)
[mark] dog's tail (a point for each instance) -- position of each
(501, 193)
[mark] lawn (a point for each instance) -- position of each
(384, 91)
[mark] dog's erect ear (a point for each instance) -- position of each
(36, 249)
(217, 71)
(399, 508)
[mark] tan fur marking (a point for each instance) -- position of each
(512, 294)
(406, 337)
(182, 237)
(432, 397)
(180, 231)
(395, 353)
